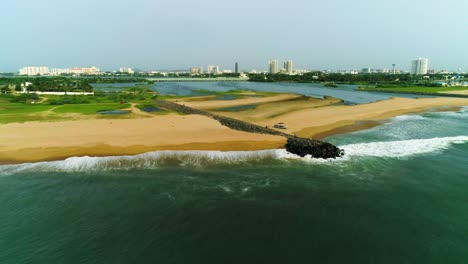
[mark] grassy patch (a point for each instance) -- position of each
(21, 118)
(19, 108)
(88, 109)
(413, 89)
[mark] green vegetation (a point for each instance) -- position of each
(88, 109)
(330, 84)
(377, 82)
(24, 98)
(49, 84)
(410, 89)
(321, 77)
(7, 108)
(69, 100)
(32, 107)
(5, 89)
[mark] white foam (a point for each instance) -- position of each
(393, 149)
(145, 161)
(403, 118)
(403, 148)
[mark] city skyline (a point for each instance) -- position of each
(418, 66)
(319, 35)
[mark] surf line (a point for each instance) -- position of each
(296, 145)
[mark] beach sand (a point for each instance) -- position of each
(462, 92)
(206, 102)
(40, 141)
(320, 118)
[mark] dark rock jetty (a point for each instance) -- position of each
(295, 145)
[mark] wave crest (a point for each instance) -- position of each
(390, 149)
(146, 161)
(403, 148)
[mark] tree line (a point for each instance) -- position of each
(374, 78)
(55, 84)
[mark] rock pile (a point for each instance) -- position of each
(315, 148)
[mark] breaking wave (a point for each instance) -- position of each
(152, 160)
(403, 148)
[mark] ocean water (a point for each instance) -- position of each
(399, 196)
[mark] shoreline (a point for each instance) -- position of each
(49, 141)
(359, 125)
(62, 153)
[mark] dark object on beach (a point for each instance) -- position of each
(315, 148)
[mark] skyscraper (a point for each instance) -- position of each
(288, 65)
(274, 66)
(213, 69)
(419, 66)
(196, 70)
(236, 70)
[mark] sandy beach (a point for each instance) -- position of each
(41, 141)
(462, 92)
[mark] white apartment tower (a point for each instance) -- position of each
(288, 66)
(213, 69)
(419, 66)
(126, 70)
(273, 66)
(34, 71)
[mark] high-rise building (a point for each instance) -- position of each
(419, 66)
(366, 70)
(213, 69)
(288, 66)
(196, 70)
(127, 70)
(273, 66)
(89, 71)
(34, 71)
(236, 68)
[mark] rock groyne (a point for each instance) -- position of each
(296, 145)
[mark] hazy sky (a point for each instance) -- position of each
(156, 34)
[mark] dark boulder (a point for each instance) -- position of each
(315, 148)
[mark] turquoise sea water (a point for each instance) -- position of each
(399, 196)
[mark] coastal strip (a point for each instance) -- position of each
(295, 145)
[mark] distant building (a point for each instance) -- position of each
(34, 71)
(273, 66)
(54, 71)
(419, 66)
(288, 66)
(236, 68)
(213, 69)
(366, 70)
(127, 70)
(89, 71)
(196, 70)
